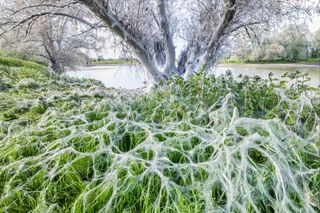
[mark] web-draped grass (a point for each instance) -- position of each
(206, 145)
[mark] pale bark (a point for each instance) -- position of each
(167, 38)
(145, 56)
(206, 55)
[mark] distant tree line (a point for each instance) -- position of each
(292, 43)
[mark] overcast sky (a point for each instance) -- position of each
(315, 24)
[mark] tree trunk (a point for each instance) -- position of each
(199, 56)
(143, 54)
(191, 60)
(56, 66)
(149, 63)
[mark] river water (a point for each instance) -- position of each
(133, 76)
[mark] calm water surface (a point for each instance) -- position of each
(133, 76)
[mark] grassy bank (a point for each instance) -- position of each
(13, 62)
(22, 56)
(205, 145)
(279, 61)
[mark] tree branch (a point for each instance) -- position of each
(102, 10)
(45, 5)
(37, 15)
(224, 24)
(167, 37)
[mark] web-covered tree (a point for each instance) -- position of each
(153, 29)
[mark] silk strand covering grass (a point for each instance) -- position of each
(205, 145)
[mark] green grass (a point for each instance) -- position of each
(23, 56)
(204, 145)
(114, 62)
(13, 62)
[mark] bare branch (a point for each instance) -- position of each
(44, 5)
(33, 18)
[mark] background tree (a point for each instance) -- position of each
(63, 45)
(274, 52)
(315, 49)
(296, 41)
(59, 40)
(291, 43)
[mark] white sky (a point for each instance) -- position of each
(315, 24)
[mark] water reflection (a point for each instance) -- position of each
(125, 76)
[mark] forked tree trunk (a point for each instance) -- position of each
(193, 59)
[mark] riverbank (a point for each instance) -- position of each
(272, 65)
(114, 62)
(311, 61)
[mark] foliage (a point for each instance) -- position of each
(275, 51)
(209, 144)
(315, 50)
(291, 44)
